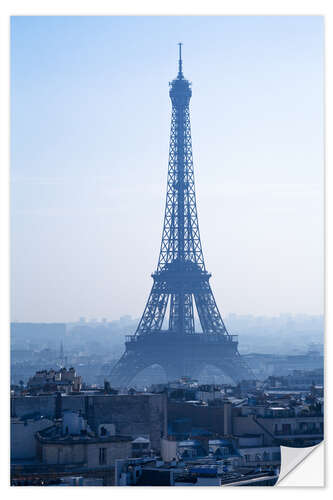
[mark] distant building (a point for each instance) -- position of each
(297, 380)
(300, 426)
(200, 447)
(209, 392)
(62, 380)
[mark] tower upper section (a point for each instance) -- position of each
(181, 272)
(180, 88)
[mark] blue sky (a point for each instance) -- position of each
(90, 118)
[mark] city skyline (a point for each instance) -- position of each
(88, 174)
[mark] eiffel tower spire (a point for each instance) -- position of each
(180, 63)
(181, 280)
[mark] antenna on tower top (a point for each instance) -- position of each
(180, 62)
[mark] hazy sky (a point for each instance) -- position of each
(90, 118)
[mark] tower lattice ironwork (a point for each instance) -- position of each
(181, 281)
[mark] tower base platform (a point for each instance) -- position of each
(179, 355)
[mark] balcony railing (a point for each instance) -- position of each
(193, 337)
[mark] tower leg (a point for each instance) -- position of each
(129, 365)
(234, 368)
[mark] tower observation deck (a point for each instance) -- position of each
(166, 331)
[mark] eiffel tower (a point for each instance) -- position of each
(166, 332)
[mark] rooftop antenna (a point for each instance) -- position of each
(180, 62)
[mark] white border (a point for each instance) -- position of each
(144, 7)
(306, 469)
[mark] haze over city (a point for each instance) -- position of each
(89, 148)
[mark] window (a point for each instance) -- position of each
(102, 456)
